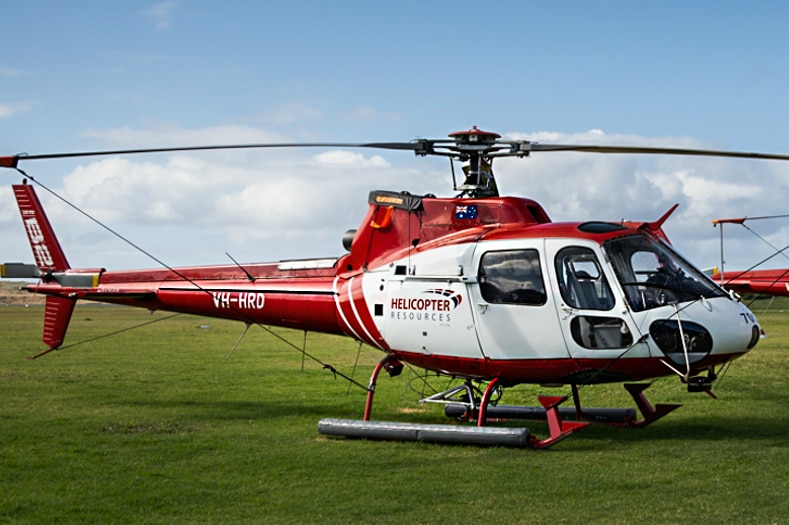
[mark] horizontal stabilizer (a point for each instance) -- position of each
(19, 271)
(77, 279)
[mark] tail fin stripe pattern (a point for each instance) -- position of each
(46, 248)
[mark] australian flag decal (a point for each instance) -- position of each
(466, 211)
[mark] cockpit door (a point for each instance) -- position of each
(594, 319)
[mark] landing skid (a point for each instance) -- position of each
(459, 434)
(622, 417)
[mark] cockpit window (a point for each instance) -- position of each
(512, 277)
(581, 281)
(653, 275)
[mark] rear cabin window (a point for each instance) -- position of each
(512, 277)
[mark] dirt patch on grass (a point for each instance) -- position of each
(11, 293)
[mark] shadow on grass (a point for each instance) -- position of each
(761, 431)
(249, 410)
(185, 415)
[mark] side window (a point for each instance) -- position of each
(581, 280)
(512, 277)
(600, 332)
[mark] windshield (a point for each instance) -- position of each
(653, 275)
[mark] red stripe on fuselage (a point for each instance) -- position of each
(540, 371)
(354, 315)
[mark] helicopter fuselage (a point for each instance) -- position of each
(479, 288)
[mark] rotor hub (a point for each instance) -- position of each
(474, 136)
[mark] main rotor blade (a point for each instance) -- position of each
(11, 161)
(653, 151)
(418, 146)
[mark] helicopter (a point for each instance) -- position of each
(479, 287)
(753, 281)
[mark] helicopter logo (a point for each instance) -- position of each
(426, 309)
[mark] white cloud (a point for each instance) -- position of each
(161, 14)
(351, 159)
(6, 110)
(235, 198)
(582, 186)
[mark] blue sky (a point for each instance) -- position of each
(98, 75)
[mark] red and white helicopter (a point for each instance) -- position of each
(478, 286)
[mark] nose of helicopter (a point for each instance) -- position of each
(706, 333)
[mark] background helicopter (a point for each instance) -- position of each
(754, 280)
(476, 286)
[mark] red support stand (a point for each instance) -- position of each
(483, 405)
(559, 429)
(651, 414)
(387, 362)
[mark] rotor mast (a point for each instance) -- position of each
(474, 148)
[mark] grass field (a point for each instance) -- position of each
(158, 425)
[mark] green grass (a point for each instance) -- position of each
(156, 425)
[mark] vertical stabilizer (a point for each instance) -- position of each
(56, 320)
(50, 260)
(46, 248)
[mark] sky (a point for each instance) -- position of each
(88, 75)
